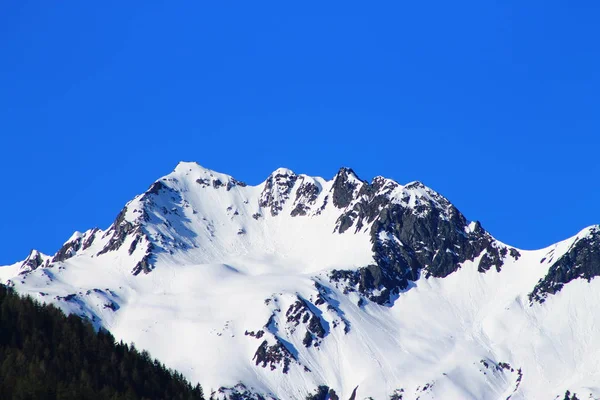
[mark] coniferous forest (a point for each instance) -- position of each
(47, 355)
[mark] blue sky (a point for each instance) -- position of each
(493, 104)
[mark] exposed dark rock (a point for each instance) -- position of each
(111, 305)
(144, 264)
(134, 244)
(519, 378)
(69, 297)
(333, 305)
(569, 396)
(156, 187)
(321, 393)
(274, 355)
(33, 261)
(427, 386)
(233, 183)
(353, 396)
(217, 183)
(121, 228)
(256, 335)
(295, 312)
(90, 239)
(492, 257)
(581, 261)
(422, 233)
(346, 221)
(240, 392)
(322, 207)
(506, 366)
(68, 250)
(300, 209)
(514, 253)
(277, 190)
(315, 326)
(320, 299)
(308, 339)
(344, 185)
(119, 231)
(306, 195)
(202, 181)
(301, 313)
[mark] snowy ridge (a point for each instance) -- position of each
(340, 287)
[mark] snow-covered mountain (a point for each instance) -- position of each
(334, 288)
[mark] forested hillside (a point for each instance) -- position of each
(47, 355)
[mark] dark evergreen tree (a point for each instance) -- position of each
(45, 355)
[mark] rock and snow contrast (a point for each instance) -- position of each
(303, 287)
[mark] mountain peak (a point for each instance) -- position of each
(190, 166)
(283, 172)
(191, 171)
(34, 260)
(346, 185)
(277, 189)
(285, 271)
(347, 174)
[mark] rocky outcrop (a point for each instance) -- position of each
(414, 231)
(570, 396)
(333, 306)
(90, 238)
(118, 233)
(34, 260)
(122, 229)
(239, 392)
(233, 183)
(306, 196)
(156, 187)
(68, 250)
(273, 356)
(301, 313)
(580, 261)
(277, 190)
(345, 184)
(353, 395)
(144, 265)
(323, 392)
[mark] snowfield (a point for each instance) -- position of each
(231, 284)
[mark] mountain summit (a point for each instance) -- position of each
(340, 288)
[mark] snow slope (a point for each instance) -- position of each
(300, 282)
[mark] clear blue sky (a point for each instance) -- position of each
(496, 105)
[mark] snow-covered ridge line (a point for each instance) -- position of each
(154, 224)
(372, 288)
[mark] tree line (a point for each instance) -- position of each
(45, 355)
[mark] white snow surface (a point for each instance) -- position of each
(225, 265)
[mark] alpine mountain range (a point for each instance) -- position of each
(302, 287)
